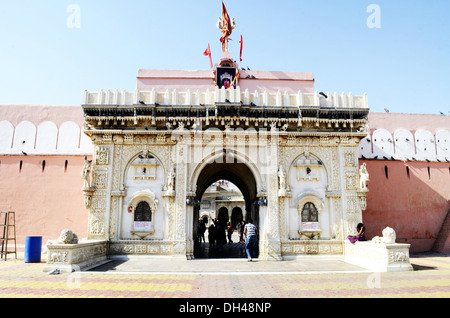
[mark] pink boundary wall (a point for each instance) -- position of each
(415, 206)
(41, 113)
(44, 201)
(411, 122)
(50, 200)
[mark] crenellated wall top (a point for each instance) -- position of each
(195, 97)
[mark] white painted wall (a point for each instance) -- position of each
(404, 145)
(46, 139)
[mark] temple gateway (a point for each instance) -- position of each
(290, 150)
(228, 145)
(294, 156)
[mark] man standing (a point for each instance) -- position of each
(250, 232)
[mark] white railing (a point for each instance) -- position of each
(217, 95)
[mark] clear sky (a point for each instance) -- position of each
(399, 52)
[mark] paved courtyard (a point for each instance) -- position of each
(232, 278)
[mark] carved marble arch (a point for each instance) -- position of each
(144, 162)
(143, 196)
(310, 197)
(143, 227)
(236, 155)
(309, 208)
(304, 164)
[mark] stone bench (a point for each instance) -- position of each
(75, 257)
(378, 257)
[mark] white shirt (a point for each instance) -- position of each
(250, 229)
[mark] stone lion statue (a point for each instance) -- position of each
(67, 237)
(389, 237)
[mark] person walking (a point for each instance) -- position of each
(212, 235)
(201, 231)
(241, 232)
(229, 232)
(250, 232)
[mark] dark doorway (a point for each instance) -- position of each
(223, 215)
(236, 216)
(240, 175)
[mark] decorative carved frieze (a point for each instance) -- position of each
(102, 155)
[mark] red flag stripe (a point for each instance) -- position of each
(208, 53)
(242, 45)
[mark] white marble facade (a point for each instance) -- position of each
(131, 167)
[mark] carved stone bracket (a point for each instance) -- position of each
(362, 195)
(88, 192)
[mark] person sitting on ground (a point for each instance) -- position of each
(360, 229)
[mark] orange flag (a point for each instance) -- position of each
(208, 53)
(226, 22)
(242, 45)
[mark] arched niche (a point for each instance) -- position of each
(308, 181)
(24, 137)
(443, 144)
(68, 138)
(47, 135)
(383, 143)
(365, 147)
(144, 179)
(425, 145)
(404, 144)
(310, 209)
(307, 171)
(141, 212)
(6, 136)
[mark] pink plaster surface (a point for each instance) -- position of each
(411, 122)
(40, 113)
(272, 81)
(415, 206)
(45, 201)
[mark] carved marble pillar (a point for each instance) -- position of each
(179, 241)
(271, 237)
(352, 213)
(169, 212)
(99, 209)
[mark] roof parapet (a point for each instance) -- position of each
(209, 97)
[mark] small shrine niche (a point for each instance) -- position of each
(226, 74)
(141, 210)
(309, 210)
(145, 167)
(308, 169)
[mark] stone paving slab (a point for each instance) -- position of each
(168, 265)
(230, 280)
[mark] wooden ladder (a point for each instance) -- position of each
(9, 221)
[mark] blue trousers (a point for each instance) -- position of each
(250, 244)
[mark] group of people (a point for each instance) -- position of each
(218, 233)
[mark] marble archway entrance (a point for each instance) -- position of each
(240, 175)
